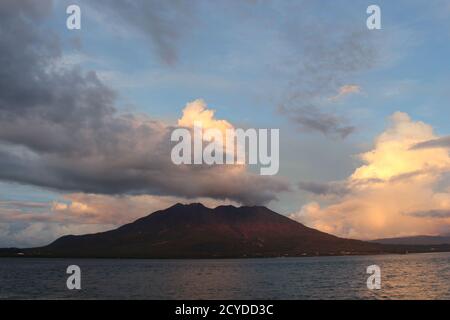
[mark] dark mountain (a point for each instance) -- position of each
(194, 231)
(415, 240)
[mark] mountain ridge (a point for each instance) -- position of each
(415, 240)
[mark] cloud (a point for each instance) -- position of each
(399, 190)
(337, 188)
(322, 63)
(431, 214)
(162, 23)
(443, 142)
(60, 129)
(197, 111)
(346, 90)
(22, 204)
(312, 118)
(41, 233)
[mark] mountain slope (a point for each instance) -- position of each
(195, 231)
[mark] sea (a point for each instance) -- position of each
(409, 276)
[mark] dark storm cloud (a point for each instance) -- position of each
(162, 22)
(443, 142)
(59, 128)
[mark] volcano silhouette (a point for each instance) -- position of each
(195, 231)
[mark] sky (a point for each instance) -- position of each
(86, 115)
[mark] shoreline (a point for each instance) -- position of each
(220, 258)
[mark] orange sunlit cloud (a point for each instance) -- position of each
(346, 90)
(391, 194)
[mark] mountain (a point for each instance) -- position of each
(415, 240)
(195, 231)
